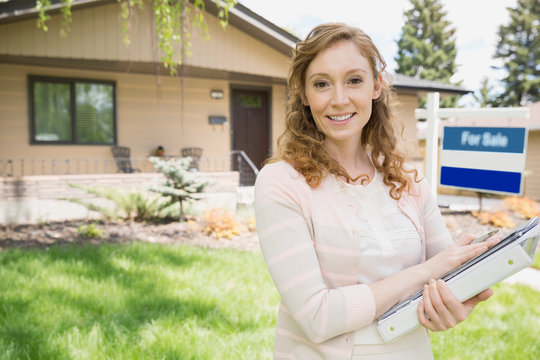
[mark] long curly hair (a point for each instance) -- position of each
(301, 144)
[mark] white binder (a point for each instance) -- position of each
(512, 254)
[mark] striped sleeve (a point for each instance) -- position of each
(282, 205)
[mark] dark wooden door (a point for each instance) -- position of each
(250, 124)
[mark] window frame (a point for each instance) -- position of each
(71, 82)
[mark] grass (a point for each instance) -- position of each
(137, 301)
(504, 327)
(149, 301)
(536, 263)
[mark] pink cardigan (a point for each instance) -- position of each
(308, 239)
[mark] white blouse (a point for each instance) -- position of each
(389, 241)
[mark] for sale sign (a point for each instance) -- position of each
(484, 159)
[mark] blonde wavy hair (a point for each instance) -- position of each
(301, 144)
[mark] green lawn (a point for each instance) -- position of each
(149, 301)
(536, 263)
(138, 301)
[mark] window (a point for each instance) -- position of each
(249, 101)
(69, 111)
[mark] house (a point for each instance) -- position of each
(230, 98)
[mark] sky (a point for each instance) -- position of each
(476, 23)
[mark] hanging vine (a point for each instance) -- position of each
(174, 20)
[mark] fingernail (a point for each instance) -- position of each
(440, 282)
(431, 282)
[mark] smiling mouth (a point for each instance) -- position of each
(341, 117)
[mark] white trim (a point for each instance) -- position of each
(483, 160)
(513, 113)
(258, 25)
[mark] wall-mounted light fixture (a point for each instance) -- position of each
(216, 94)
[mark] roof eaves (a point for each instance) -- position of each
(401, 81)
(288, 37)
(255, 25)
(12, 11)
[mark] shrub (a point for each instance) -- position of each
(499, 218)
(181, 185)
(90, 231)
(221, 224)
(129, 205)
(524, 206)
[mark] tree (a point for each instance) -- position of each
(181, 185)
(427, 46)
(173, 19)
(484, 96)
(519, 49)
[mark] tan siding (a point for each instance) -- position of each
(278, 111)
(96, 34)
(532, 180)
(148, 115)
(231, 49)
(405, 113)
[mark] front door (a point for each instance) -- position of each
(250, 124)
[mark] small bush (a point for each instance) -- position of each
(90, 231)
(182, 185)
(129, 205)
(221, 224)
(524, 206)
(499, 218)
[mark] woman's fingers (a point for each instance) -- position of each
(457, 312)
(429, 309)
(465, 240)
(440, 310)
(422, 317)
(484, 295)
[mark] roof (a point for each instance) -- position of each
(239, 16)
(12, 10)
(244, 19)
(405, 82)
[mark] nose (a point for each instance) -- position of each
(341, 97)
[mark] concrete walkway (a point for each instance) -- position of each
(529, 276)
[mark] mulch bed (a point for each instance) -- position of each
(44, 235)
(66, 232)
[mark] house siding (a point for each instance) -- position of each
(532, 166)
(406, 104)
(96, 34)
(150, 112)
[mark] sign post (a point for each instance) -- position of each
(433, 114)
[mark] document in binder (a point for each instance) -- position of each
(512, 254)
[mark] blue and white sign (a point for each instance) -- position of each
(484, 159)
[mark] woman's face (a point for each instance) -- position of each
(339, 89)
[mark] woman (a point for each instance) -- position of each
(346, 229)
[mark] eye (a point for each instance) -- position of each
(320, 84)
(356, 80)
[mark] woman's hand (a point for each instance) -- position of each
(457, 254)
(440, 310)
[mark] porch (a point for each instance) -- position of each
(34, 190)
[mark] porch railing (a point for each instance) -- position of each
(247, 169)
(17, 167)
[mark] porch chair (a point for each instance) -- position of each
(195, 153)
(122, 158)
